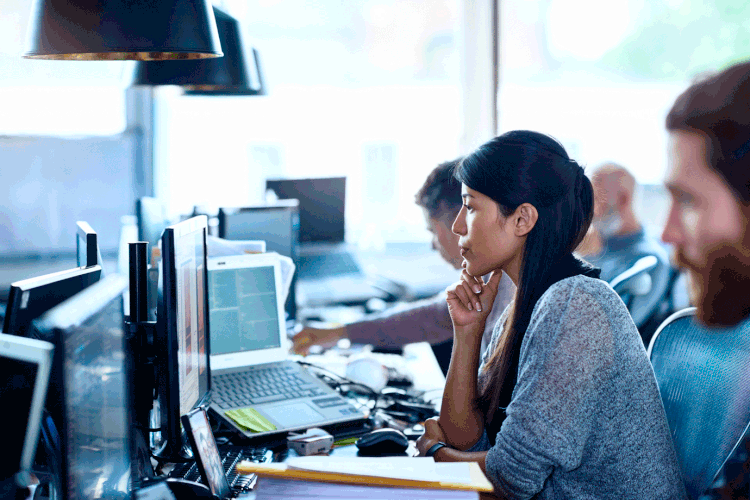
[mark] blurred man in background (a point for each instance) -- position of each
(426, 320)
(617, 240)
(709, 182)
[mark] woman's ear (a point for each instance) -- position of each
(524, 219)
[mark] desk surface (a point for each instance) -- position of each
(418, 358)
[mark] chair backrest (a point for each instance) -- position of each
(704, 379)
(642, 287)
(630, 280)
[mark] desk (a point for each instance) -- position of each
(418, 358)
(351, 451)
(421, 363)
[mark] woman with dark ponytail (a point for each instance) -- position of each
(566, 404)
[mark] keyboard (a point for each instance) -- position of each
(260, 385)
(329, 264)
(230, 457)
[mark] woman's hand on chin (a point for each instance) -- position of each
(470, 300)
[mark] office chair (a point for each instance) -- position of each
(643, 287)
(704, 380)
(675, 298)
(635, 280)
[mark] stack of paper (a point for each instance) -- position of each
(365, 477)
(271, 488)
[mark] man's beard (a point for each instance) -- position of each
(722, 286)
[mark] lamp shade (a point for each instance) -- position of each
(228, 75)
(122, 29)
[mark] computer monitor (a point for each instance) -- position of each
(28, 299)
(321, 206)
(92, 392)
(87, 246)
(152, 220)
(183, 370)
(24, 375)
(278, 224)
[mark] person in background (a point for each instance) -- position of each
(426, 320)
(617, 240)
(708, 179)
(564, 403)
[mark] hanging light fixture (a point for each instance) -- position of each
(233, 74)
(122, 29)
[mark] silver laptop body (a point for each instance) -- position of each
(249, 353)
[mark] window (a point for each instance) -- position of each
(369, 90)
(601, 76)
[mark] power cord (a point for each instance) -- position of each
(395, 402)
(341, 381)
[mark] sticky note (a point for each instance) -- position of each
(250, 420)
(347, 441)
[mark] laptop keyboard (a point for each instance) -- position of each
(324, 265)
(261, 385)
(230, 457)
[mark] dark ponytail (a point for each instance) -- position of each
(528, 167)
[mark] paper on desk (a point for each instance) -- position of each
(219, 247)
(419, 468)
(272, 488)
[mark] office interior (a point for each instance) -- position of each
(372, 95)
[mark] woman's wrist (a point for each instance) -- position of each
(469, 333)
(467, 344)
(434, 448)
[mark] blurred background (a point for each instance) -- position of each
(379, 91)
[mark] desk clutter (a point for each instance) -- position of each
(361, 477)
(123, 372)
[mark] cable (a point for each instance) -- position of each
(369, 390)
(397, 405)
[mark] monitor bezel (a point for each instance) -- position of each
(169, 379)
(19, 288)
(225, 212)
(54, 326)
(39, 353)
(149, 205)
(86, 233)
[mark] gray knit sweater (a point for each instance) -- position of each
(586, 419)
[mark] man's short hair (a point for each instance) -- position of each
(719, 108)
(617, 172)
(440, 195)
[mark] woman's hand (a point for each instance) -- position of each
(470, 300)
(308, 337)
(432, 434)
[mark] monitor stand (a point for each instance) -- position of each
(175, 452)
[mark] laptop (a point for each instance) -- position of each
(250, 366)
(328, 270)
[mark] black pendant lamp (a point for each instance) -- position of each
(228, 75)
(122, 29)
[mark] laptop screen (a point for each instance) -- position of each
(243, 309)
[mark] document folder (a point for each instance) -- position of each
(475, 479)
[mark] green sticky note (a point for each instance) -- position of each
(344, 442)
(250, 420)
